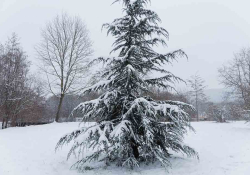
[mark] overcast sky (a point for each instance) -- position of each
(209, 31)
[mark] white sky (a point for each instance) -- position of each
(209, 31)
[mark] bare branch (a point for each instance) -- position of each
(64, 52)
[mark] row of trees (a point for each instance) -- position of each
(23, 100)
(228, 109)
(63, 54)
(235, 76)
(19, 92)
(22, 95)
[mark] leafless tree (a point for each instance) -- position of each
(234, 110)
(14, 94)
(235, 75)
(218, 112)
(35, 107)
(64, 52)
(196, 83)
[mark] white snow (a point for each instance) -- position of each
(224, 149)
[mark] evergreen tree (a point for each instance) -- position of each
(196, 83)
(128, 130)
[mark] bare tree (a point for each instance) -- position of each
(64, 51)
(14, 94)
(35, 107)
(196, 83)
(234, 110)
(218, 112)
(235, 75)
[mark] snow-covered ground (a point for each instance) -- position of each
(224, 149)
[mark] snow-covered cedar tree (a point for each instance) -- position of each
(127, 131)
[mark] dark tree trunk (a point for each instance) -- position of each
(3, 123)
(135, 149)
(6, 123)
(59, 108)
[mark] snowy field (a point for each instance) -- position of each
(224, 149)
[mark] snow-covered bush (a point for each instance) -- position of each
(128, 131)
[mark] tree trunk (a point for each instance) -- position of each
(59, 108)
(13, 121)
(6, 123)
(3, 123)
(197, 113)
(135, 149)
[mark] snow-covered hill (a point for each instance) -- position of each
(224, 150)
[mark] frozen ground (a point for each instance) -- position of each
(224, 150)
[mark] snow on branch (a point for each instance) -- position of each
(168, 58)
(96, 108)
(123, 128)
(161, 81)
(101, 85)
(180, 104)
(68, 138)
(153, 109)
